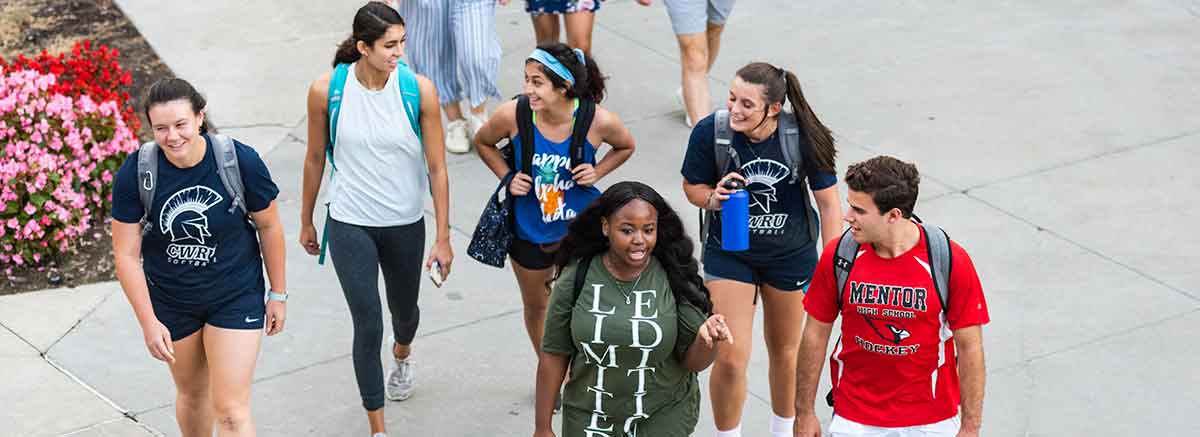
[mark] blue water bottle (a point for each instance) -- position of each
(735, 219)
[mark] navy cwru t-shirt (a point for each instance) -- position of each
(778, 224)
(197, 251)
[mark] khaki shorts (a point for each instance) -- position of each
(693, 16)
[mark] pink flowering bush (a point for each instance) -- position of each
(57, 164)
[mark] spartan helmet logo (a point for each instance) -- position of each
(761, 176)
(183, 215)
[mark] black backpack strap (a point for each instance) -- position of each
(525, 133)
(938, 244)
(583, 123)
(843, 262)
(581, 272)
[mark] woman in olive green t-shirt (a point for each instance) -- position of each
(636, 330)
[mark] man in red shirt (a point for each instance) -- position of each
(895, 370)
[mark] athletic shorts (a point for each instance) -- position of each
(542, 7)
(693, 16)
(789, 274)
(246, 311)
(842, 427)
(532, 256)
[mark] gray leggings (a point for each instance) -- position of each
(359, 253)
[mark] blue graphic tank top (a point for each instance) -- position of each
(555, 199)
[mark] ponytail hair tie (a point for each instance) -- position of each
(582, 58)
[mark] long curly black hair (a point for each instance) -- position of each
(674, 247)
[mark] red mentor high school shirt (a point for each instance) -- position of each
(894, 365)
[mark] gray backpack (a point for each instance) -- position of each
(227, 169)
(723, 152)
(936, 242)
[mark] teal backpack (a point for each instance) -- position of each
(410, 91)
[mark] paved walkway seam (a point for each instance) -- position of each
(23, 340)
(86, 386)
(1090, 250)
(1026, 362)
(88, 314)
(143, 426)
(1084, 159)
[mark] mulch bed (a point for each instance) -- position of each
(29, 26)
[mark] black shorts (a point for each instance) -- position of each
(792, 273)
(532, 256)
(246, 311)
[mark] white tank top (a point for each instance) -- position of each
(381, 177)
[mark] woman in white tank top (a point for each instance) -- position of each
(381, 171)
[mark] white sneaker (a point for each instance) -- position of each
(687, 118)
(456, 137)
(474, 122)
(400, 381)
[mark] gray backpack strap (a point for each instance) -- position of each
(723, 152)
(722, 140)
(938, 244)
(843, 261)
(147, 171)
(227, 167)
(789, 137)
(789, 142)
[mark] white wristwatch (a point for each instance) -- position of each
(281, 297)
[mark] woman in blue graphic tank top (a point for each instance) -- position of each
(550, 194)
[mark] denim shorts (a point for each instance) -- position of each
(693, 16)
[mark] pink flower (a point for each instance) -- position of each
(44, 135)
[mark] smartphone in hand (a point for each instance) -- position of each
(435, 274)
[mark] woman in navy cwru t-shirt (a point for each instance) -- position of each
(783, 246)
(194, 273)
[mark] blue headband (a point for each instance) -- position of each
(560, 70)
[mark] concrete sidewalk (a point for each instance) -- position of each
(1022, 116)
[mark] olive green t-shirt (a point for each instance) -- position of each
(626, 345)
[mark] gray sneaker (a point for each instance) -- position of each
(400, 381)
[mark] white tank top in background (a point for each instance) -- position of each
(381, 177)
